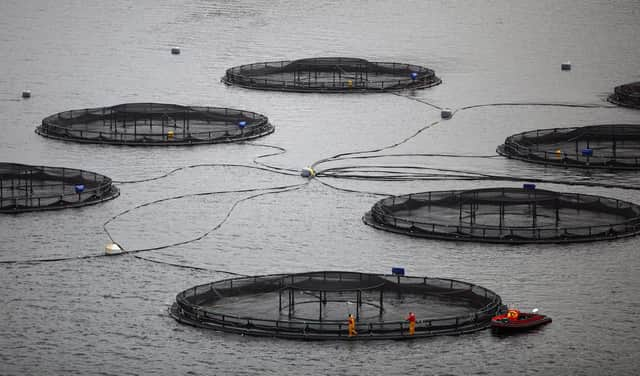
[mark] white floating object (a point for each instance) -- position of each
(446, 113)
(175, 50)
(535, 310)
(26, 94)
(566, 65)
(113, 249)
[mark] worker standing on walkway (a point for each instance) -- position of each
(352, 326)
(412, 323)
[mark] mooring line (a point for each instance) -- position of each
(417, 100)
(270, 190)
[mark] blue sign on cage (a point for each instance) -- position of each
(587, 152)
(414, 75)
(79, 188)
(528, 186)
(242, 124)
(397, 271)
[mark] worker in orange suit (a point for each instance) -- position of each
(352, 326)
(412, 323)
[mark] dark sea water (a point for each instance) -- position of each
(108, 315)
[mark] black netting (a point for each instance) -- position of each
(155, 124)
(316, 305)
(626, 95)
(30, 188)
(506, 215)
(611, 146)
(333, 74)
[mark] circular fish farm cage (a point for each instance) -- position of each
(331, 75)
(152, 124)
(627, 95)
(506, 215)
(608, 146)
(317, 306)
(25, 188)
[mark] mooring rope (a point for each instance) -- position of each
(270, 190)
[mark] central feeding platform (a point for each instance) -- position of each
(331, 74)
(152, 124)
(609, 146)
(316, 305)
(627, 95)
(506, 215)
(25, 188)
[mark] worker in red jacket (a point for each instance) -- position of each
(412, 323)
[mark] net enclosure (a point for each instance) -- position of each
(155, 124)
(331, 74)
(627, 95)
(26, 188)
(317, 305)
(606, 146)
(506, 215)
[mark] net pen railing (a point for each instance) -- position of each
(372, 67)
(368, 84)
(538, 233)
(206, 315)
(609, 144)
(506, 214)
(155, 123)
(41, 186)
(119, 112)
(340, 329)
(507, 196)
(523, 232)
(564, 157)
(161, 137)
(252, 75)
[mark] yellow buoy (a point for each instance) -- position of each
(170, 135)
(308, 172)
(350, 84)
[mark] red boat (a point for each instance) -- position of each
(515, 320)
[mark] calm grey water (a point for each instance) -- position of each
(109, 315)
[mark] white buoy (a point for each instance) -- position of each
(175, 50)
(566, 66)
(446, 113)
(113, 249)
(26, 94)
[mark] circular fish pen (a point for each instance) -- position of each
(627, 95)
(25, 188)
(331, 74)
(506, 215)
(608, 146)
(317, 306)
(152, 124)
